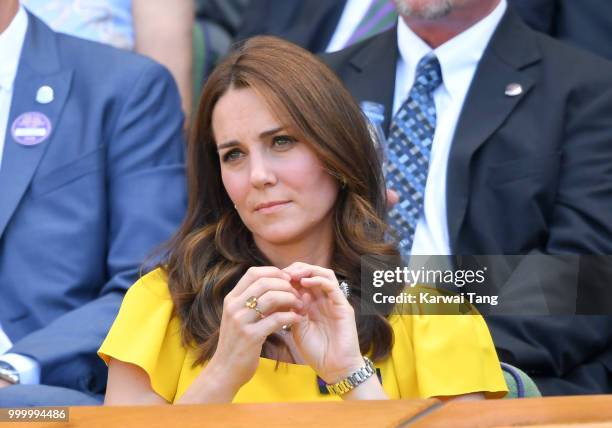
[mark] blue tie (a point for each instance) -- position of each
(408, 151)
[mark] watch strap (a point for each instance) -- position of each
(355, 379)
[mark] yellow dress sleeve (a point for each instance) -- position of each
(452, 355)
(146, 334)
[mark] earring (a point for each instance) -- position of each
(343, 181)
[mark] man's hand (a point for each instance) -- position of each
(4, 383)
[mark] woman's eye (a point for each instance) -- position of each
(283, 141)
(231, 155)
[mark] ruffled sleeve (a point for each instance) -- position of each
(452, 354)
(146, 334)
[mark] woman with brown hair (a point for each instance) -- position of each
(258, 298)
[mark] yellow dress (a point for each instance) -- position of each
(433, 355)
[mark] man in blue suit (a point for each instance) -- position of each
(91, 182)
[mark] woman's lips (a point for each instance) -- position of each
(270, 207)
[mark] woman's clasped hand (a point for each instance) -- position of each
(319, 323)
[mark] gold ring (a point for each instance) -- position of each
(251, 302)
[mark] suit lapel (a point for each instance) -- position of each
(373, 76)
(38, 66)
(507, 59)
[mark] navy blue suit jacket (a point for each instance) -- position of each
(80, 211)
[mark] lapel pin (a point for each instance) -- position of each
(44, 95)
(514, 89)
(31, 128)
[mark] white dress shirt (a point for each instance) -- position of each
(459, 58)
(11, 42)
(353, 13)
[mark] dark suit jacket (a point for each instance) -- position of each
(308, 23)
(529, 174)
(80, 211)
(584, 23)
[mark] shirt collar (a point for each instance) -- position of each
(457, 56)
(11, 42)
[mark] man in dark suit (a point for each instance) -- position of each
(520, 160)
(92, 181)
(312, 23)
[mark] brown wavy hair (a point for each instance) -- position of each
(213, 248)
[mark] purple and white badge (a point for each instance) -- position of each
(31, 128)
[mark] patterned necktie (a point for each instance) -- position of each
(408, 151)
(380, 16)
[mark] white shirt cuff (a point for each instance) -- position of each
(28, 368)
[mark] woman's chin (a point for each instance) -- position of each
(280, 240)
(280, 237)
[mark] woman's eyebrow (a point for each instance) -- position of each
(232, 143)
(270, 132)
(263, 135)
(226, 145)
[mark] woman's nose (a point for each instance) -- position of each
(262, 171)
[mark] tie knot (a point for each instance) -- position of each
(428, 73)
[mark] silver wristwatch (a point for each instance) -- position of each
(355, 379)
(8, 373)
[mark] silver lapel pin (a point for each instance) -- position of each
(514, 89)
